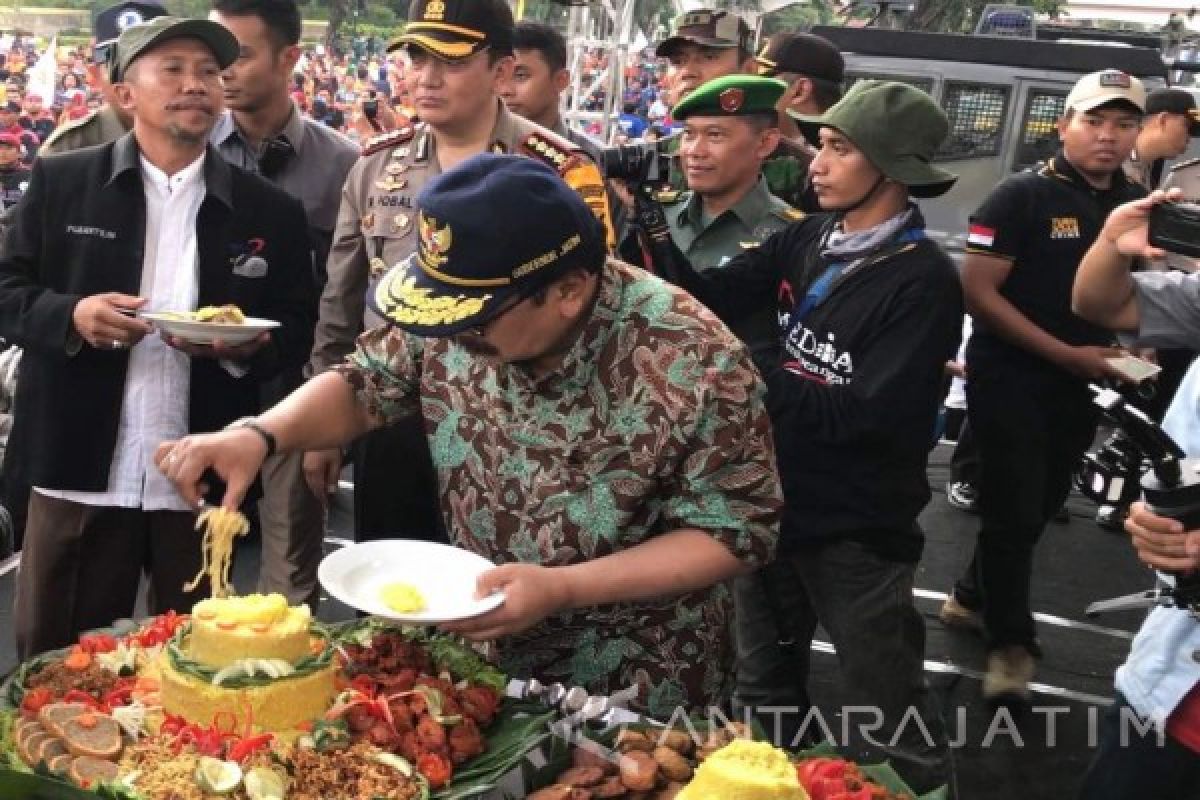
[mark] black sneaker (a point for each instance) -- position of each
(963, 496)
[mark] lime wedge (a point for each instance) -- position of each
(217, 776)
(264, 784)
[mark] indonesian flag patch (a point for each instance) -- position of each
(981, 235)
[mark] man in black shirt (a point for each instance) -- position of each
(1030, 359)
(869, 311)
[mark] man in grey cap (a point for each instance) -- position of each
(154, 221)
(109, 122)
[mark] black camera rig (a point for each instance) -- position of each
(1145, 461)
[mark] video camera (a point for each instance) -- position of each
(645, 164)
(1143, 460)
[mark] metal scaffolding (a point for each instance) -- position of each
(608, 25)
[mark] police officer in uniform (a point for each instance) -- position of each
(730, 127)
(107, 123)
(14, 176)
(459, 54)
(699, 51)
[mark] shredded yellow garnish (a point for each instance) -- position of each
(221, 527)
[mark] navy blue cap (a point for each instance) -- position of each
(113, 20)
(493, 229)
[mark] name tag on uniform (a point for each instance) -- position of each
(88, 230)
(252, 267)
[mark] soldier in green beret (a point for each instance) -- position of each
(730, 129)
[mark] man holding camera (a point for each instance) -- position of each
(730, 128)
(1160, 681)
(1030, 360)
(459, 54)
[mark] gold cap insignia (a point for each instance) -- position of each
(435, 241)
(435, 10)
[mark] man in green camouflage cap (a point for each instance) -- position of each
(730, 128)
(869, 309)
(704, 45)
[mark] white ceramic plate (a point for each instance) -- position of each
(445, 576)
(207, 332)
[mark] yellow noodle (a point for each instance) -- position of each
(221, 527)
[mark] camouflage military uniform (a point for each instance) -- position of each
(99, 127)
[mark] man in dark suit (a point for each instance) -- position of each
(154, 221)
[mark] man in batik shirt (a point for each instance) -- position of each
(596, 432)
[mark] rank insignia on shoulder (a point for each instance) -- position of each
(387, 140)
(748, 245)
(1191, 162)
(668, 195)
(543, 148)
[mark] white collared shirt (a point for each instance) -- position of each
(154, 407)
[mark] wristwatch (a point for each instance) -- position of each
(267, 436)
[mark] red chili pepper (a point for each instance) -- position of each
(241, 749)
(80, 696)
(98, 643)
(172, 725)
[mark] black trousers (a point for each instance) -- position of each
(1031, 426)
(865, 603)
(395, 487)
(964, 461)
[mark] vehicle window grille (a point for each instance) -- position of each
(1039, 128)
(976, 113)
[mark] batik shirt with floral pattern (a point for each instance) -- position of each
(654, 422)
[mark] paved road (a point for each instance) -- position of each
(999, 758)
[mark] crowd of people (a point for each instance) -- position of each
(687, 418)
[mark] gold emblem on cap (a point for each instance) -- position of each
(400, 222)
(435, 9)
(394, 169)
(403, 302)
(435, 241)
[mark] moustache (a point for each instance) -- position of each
(204, 107)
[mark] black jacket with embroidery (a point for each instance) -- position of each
(80, 231)
(855, 393)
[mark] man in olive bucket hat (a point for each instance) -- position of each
(870, 310)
